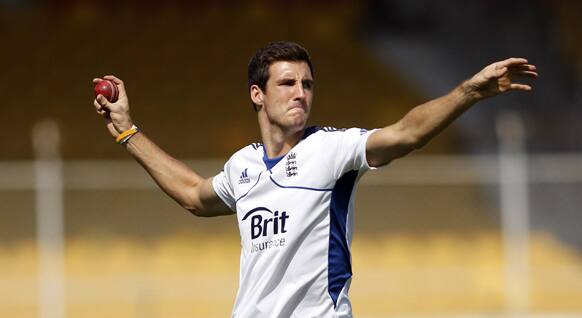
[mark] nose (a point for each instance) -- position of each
(299, 91)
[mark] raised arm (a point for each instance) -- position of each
(426, 121)
(185, 186)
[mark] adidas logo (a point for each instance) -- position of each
(244, 177)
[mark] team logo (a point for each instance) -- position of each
(244, 177)
(263, 223)
(291, 165)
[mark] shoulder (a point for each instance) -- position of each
(327, 141)
(246, 155)
(326, 132)
(249, 150)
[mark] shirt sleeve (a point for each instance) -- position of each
(350, 151)
(223, 188)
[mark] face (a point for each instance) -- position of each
(288, 95)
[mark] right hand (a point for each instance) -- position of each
(116, 115)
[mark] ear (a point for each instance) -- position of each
(257, 95)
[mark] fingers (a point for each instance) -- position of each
(101, 100)
(526, 74)
(514, 66)
(525, 70)
(101, 103)
(113, 79)
(118, 82)
(520, 87)
(525, 67)
(100, 107)
(512, 61)
(110, 78)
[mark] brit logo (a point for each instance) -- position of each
(244, 177)
(291, 165)
(267, 228)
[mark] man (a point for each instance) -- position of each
(293, 193)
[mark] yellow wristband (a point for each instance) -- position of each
(124, 136)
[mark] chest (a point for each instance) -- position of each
(273, 202)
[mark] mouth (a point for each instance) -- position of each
(296, 107)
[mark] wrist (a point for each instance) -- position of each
(468, 92)
(124, 126)
(125, 135)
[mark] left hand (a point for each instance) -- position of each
(501, 77)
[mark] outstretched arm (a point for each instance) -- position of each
(189, 189)
(426, 121)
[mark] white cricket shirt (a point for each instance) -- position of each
(295, 216)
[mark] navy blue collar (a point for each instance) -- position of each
(270, 163)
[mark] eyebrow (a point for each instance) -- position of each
(287, 79)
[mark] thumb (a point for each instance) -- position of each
(103, 102)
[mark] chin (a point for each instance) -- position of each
(297, 123)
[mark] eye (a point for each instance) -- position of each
(308, 84)
(287, 82)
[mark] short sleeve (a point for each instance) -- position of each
(223, 188)
(350, 151)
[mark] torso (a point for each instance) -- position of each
(295, 221)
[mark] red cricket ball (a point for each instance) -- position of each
(108, 89)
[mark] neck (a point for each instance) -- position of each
(279, 141)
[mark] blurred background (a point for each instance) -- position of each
(484, 221)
